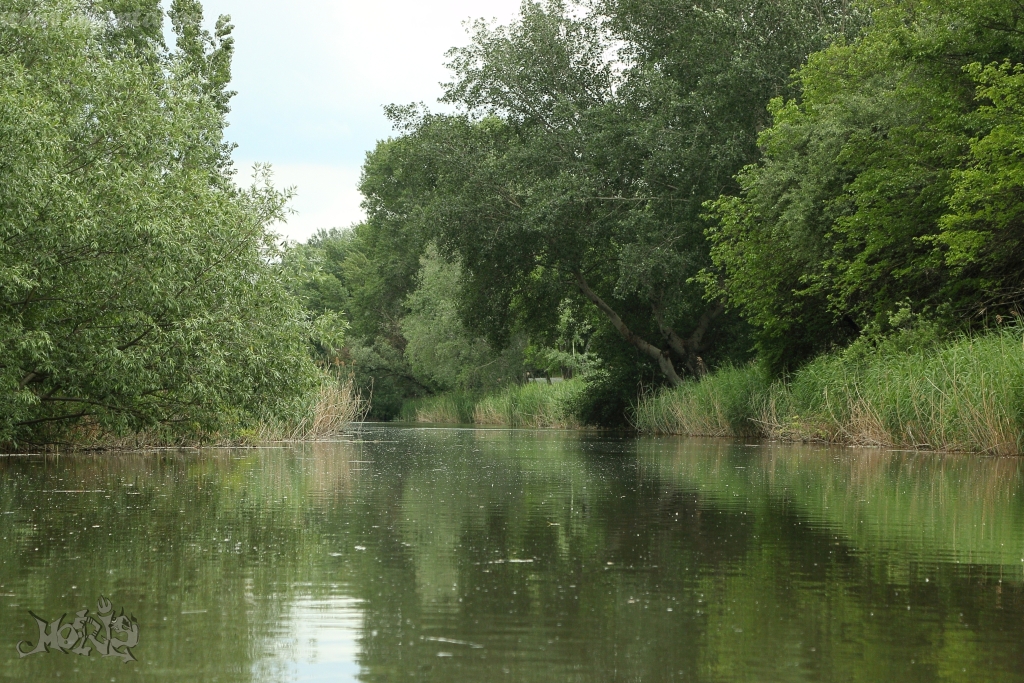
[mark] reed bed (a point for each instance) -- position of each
(533, 405)
(452, 408)
(326, 413)
(722, 404)
(965, 396)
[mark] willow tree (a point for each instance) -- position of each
(571, 168)
(136, 281)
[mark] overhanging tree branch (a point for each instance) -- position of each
(689, 349)
(662, 357)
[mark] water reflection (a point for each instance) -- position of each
(320, 640)
(448, 555)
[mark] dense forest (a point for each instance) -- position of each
(631, 194)
(638, 192)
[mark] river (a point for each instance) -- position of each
(462, 555)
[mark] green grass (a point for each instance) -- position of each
(724, 403)
(454, 407)
(531, 405)
(535, 405)
(965, 395)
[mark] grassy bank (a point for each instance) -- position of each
(726, 403)
(966, 395)
(534, 405)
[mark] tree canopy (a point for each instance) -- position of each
(888, 181)
(640, 189)
(137, 282)
(707, 182)
(581, 151)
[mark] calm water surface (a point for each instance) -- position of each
(469, 555)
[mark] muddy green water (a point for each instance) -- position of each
(476, 556)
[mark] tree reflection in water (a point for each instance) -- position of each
(462, 555)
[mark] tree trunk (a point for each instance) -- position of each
(677, 343)
(663, 358)
(689, 349)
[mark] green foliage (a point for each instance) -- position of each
(905, 390)
(204, 56)
(333, 278)
(537, 405)
(613, 382)
(632, 191)
(316, 271)
(571, 174)
(889, 178)
(390, 243)
(137, 285)
(402, 341)
(984, 228)
(383, 377)
(440, 349)
(133, 25)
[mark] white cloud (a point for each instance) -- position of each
(313, 75)
(325, 197)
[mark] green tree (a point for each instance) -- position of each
(569, 174)
(983, 231)
(405, 342)
(137, 283)
(440, 348)
(844, 220)
(347, 274)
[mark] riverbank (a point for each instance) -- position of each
(966, 395)
(319, 414)
(534, 405)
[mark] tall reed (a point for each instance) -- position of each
(965, 395)
(450, 408)
(534, 405)
(324, 414)
(722, 404)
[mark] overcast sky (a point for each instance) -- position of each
(313, 75)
